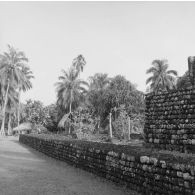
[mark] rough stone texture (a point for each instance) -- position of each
(144, 171)
(25, 171)
(170, 120)
(191, 69)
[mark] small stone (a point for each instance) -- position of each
(186, 184)
(144, 159)
(153, 161)
(163, 164)
(186, 176)
(193, 141)
(179, 174)
(123, 156)
(131, 158)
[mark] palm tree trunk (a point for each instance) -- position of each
(110, 124)
(2, 131)
(99, 120)
(19, 107)
(9, 125)
(70, 110)
(123, 129)
(129, 128)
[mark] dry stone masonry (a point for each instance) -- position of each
(170, 117)
(140, 169)
(170, 120)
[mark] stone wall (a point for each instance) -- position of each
(141, 169)
(170, 120)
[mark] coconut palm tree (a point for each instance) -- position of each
(70, 89)
(1, 95)
(99, 81)
(97, 87)
(162, 78)
(24, 85)
(12, 104)
(11, 65)
(79, 63)
(12, 101)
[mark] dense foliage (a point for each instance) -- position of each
(35, 112)
(81, 107)
(15, 76)
(85, 107)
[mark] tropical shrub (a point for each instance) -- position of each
(83, 122)
(35, 113)
(51, 121)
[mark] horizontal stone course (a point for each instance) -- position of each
(170, 120)
(141, 169)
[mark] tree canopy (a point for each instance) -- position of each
(162, 78)
(14, 75)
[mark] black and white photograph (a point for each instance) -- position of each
(97, 97)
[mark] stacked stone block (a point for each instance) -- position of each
(170, 120)
(139, 169)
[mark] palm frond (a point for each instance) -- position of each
(174, 72)
(151, 70)
(150, 79)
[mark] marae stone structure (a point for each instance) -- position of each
(144, 170)
(170, 117)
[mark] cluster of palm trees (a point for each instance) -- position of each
(99, 96)
(15, 77)
(162, 79)
(70, 87)
(72, 91)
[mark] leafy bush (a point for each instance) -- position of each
(83, 122)
(51, 121)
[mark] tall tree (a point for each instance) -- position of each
(97, 86)
(11, 65)
(24, 85)
(99, 81)
(123, 92)
(162, 78)
(79, 63)
(12, 103)
(52, 120)
(70, 89)
(34, 112)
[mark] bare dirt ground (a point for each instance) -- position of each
(24, 171)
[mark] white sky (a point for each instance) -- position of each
(114, 37)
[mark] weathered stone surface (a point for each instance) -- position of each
(170, 120)
(148, 174)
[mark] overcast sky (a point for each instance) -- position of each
(114, 37)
